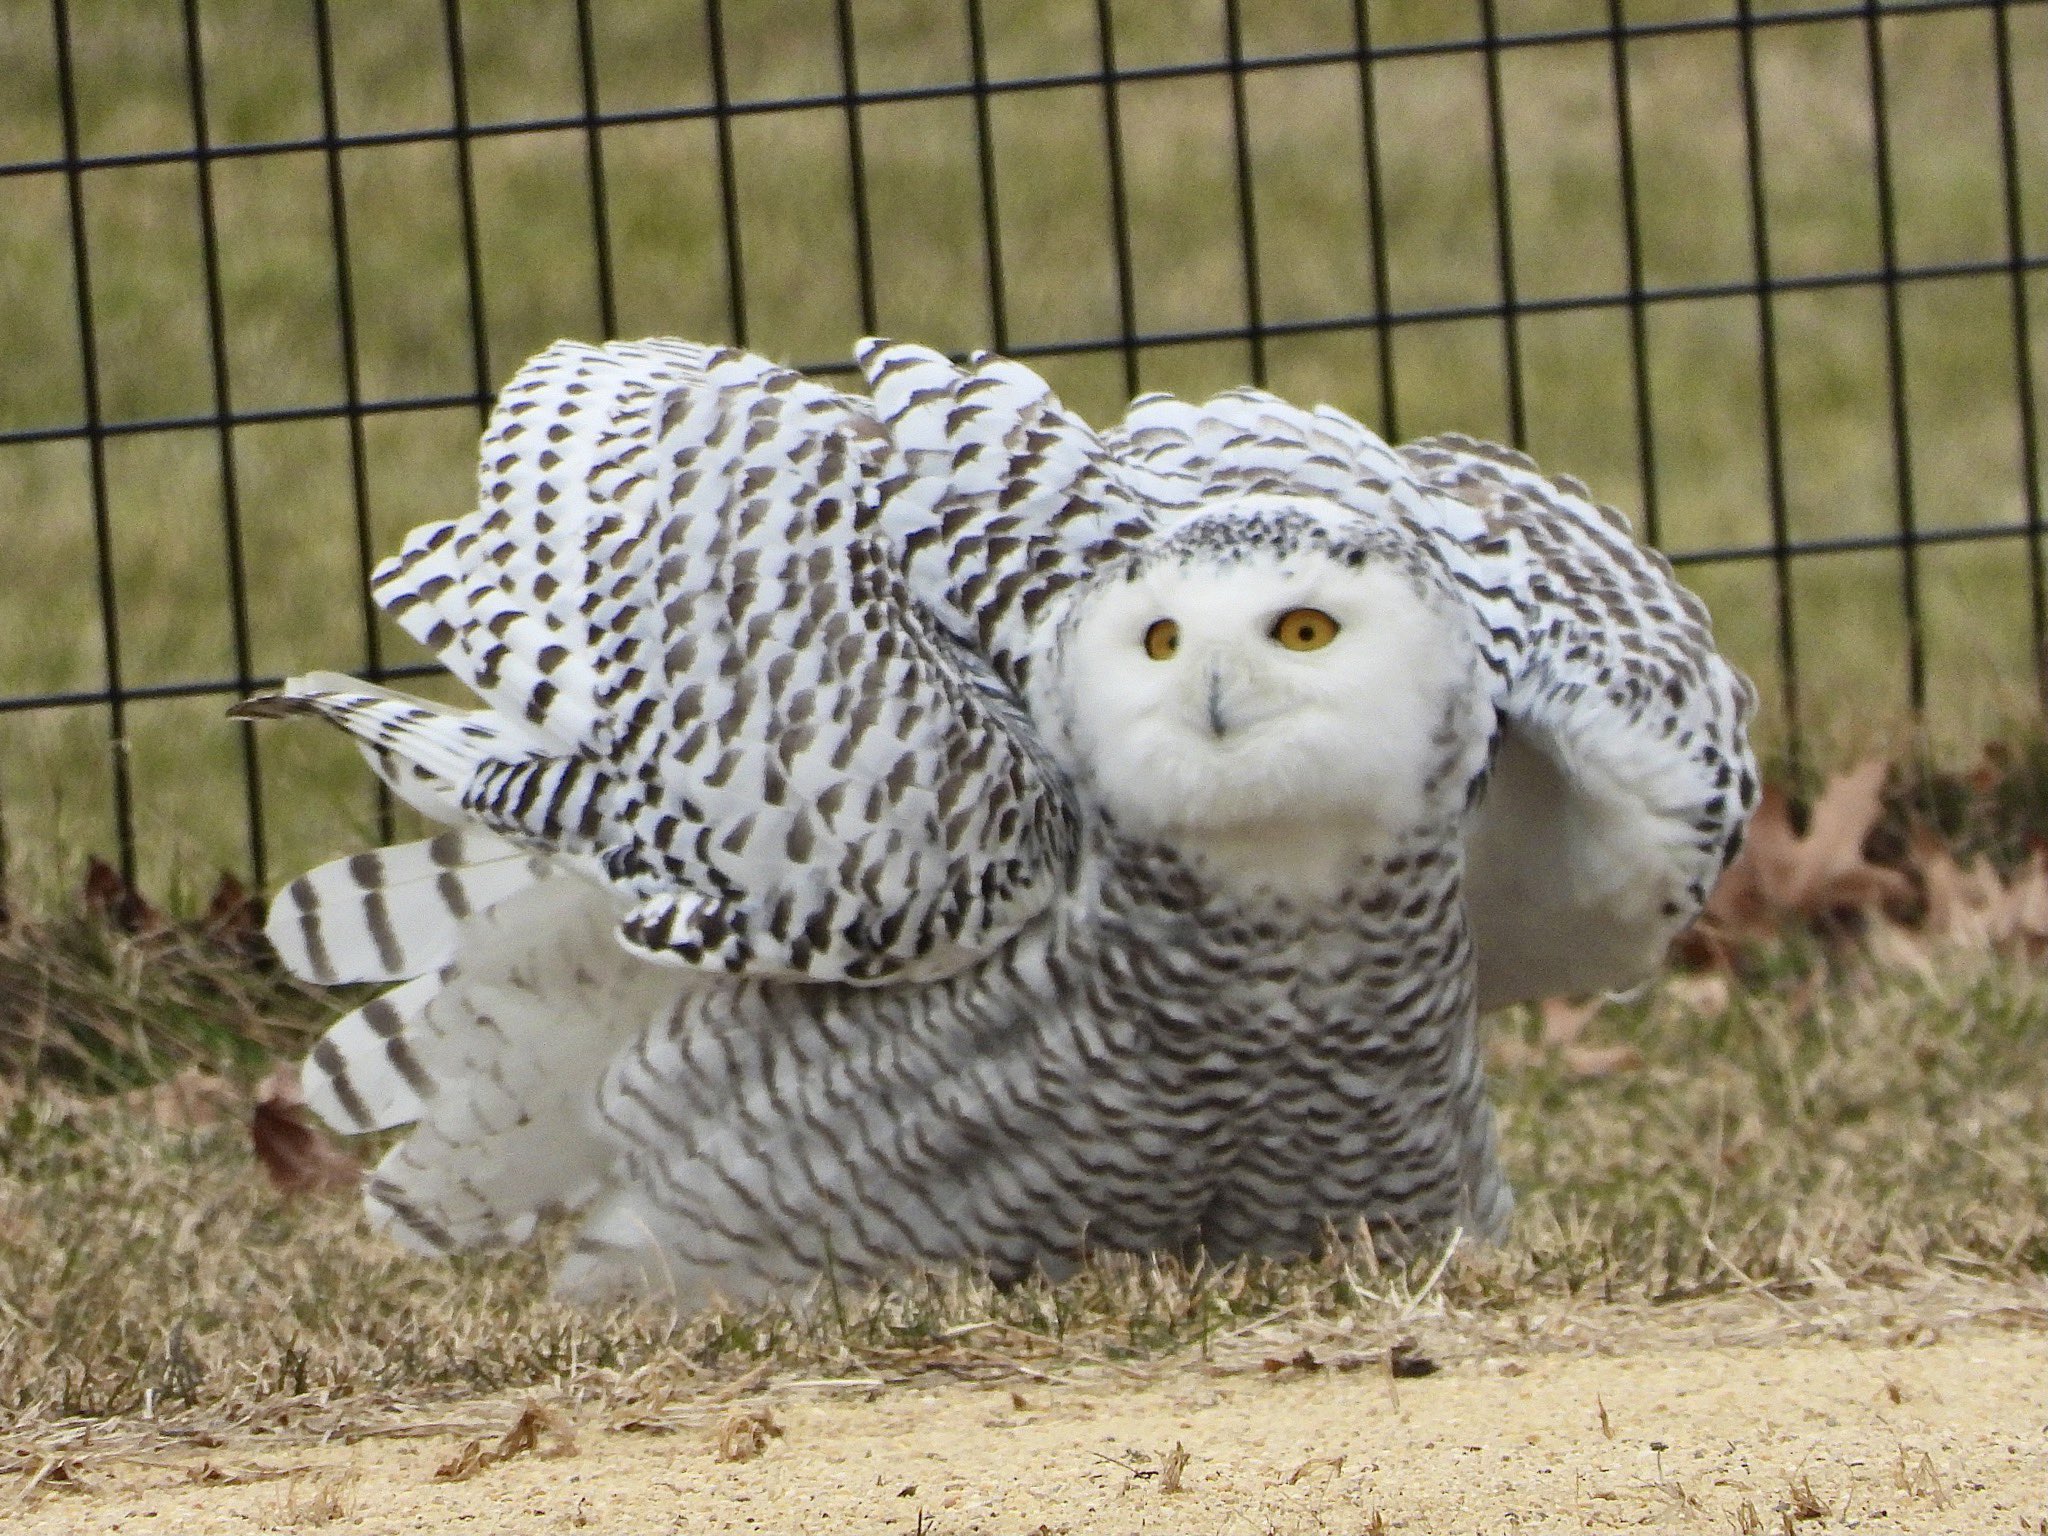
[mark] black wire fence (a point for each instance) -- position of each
(1771, 279)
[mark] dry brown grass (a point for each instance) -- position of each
(115, 995)
(1862, 1134)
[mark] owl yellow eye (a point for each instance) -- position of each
(1304, 629)
(1162, 639)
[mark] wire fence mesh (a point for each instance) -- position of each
(1769, 278)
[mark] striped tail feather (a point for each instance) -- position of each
(473, 769)
(496, 1060)
(426, 752)
(365, 1074)
(396, 913)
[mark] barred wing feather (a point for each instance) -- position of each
(1622, 774)
(719, 688)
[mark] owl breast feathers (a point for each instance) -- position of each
(914, 826)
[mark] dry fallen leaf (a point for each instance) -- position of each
(1334, 1465)
(536, 1428)
(1564, 1020)
(53, 1472)
(1305, 1361)
(1601, 1060)
(746, 1433)
(540, 1428)
(1806, 1504)
(1701, 992)
(298, 1158)
(1406, 1361)
(234, 1477)
(1973, 906)
(117, 903)
(234, 920)
(1171, 1465)
(464, 1464)
(1782, 876)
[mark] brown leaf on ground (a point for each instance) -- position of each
(1600, 1060)
(540, 1428)
(234, 920)
(55, 1471)
(1782, 876)
(298, 1158)
(115, 902)
(1807, 1504)
(1701, 992)
(1564, 1021)
(1407, 1362)
(1994, 767)
(1565, 1018)
(537, 1428)
(1334, 1465)
(1174, 1463)
(1974, 907)
(212, 1476)
(745, 1434)
(471, 1459)
(1305, 1361)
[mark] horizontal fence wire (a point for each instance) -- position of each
(858, 71)
(1135, 341)
(725, 109)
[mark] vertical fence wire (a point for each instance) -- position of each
(1119, 202)
(1767, 376)
(93, 432)
(1375, 220)
(856, 168)
(985, 172)
(1247, 209)
(224, 437)
(593, 140)
(2022, 330)
(351, 375)
(1632, 263)
(465, 202)
(1895, 362)
(1503, 227)
(728, 173)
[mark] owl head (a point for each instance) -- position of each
(1273, 674)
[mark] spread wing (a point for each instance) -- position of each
(708, 681)
(1000, 497)
(1623, 774)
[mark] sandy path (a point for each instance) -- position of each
(1945, 1434)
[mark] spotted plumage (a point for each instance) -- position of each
(913, 826)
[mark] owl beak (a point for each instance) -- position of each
(1216, 722)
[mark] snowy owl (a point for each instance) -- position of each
(913, 826)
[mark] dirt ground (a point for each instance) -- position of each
(1749, 1422)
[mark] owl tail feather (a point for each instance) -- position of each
(494, 1058)
(428, 753)
(396, 913)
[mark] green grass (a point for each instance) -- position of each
(1876, 1132)
(293, 480)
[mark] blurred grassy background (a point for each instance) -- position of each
(416, 333)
